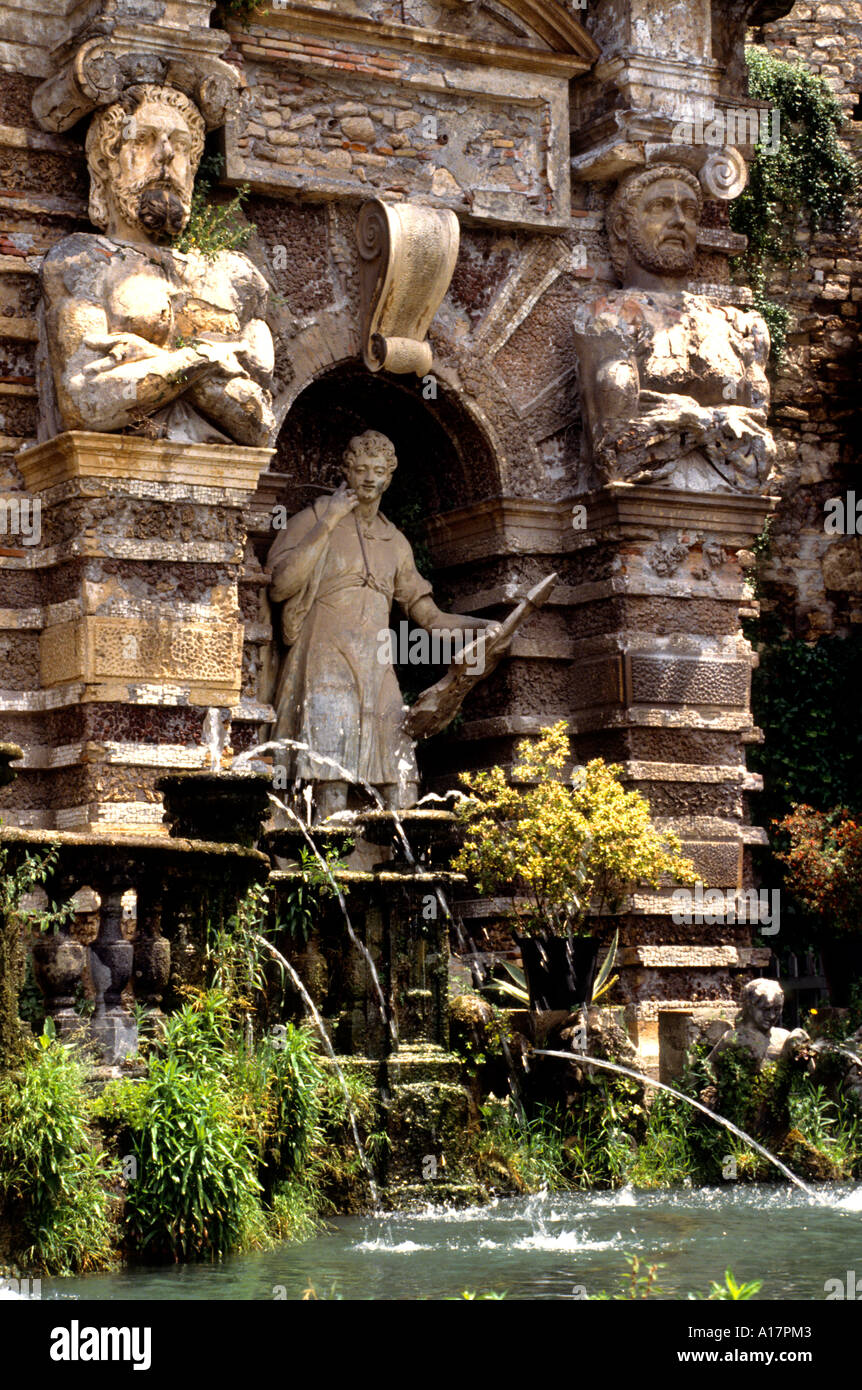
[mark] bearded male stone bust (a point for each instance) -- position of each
(139, 336)
(673, 385)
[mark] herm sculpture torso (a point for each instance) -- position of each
(673, 385)
(140, 335)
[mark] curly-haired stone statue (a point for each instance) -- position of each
(757, 1030)
(673, 385)
(140, 336)
(336, 567)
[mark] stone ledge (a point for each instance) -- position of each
(573, 50)
(117, 548)
(683, 772)
(596, 717)
(87, 454)
(694, 957)
(136, 693)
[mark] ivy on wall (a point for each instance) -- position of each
(809, 176)
(243, 11)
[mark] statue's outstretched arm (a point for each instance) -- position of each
(425, 613)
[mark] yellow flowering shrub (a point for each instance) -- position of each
(565, 846)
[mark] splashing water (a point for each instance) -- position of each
(215, 734)
(583, 1059)
(330, 1051)
(385, 1017)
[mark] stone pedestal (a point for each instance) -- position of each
(663, 688)
(640, 649)
(129, 623)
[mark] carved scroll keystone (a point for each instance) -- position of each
(408, 256)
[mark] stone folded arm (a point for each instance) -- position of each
(109, 380)
(129, 335)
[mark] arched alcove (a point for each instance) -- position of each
(445, 461)
(444, 458)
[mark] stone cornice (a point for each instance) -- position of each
(573, 49)
(85, 454)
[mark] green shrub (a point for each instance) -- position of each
(195, 1166)
(52, 1178)
(809, 175)
(214, 226)
(15, 882)
(565, 844)
(810, 172)
(515, 1152)
(804, 699)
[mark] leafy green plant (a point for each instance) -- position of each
(666, 1157)
(731, 1290)
(810, 175)
(52, 1175)
(338, 1166)
(828, 1125)
(16, 881)
(642, 1282)
(568, 846)
(195, 1166)
(639, 1283)
(822, 855)
(242, 10)
(300, 908)
(212, 226)
(281, 1082)
(527, 1155)
(235, 956)
(804, 700)
(515, 987)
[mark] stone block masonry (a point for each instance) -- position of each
(139, 625)
(343, 120)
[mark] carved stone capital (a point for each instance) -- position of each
(101, 69)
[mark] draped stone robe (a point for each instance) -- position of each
(336, 690)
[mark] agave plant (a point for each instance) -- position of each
(515, 987)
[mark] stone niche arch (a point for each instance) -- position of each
(446, 461)
(445, 457)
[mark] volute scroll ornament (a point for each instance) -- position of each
(724, 174)
(407, 258)
(104, 67)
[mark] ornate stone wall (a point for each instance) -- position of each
(471, 109)
(814, 580)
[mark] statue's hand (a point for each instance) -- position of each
(120, 347)
(341, 503)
